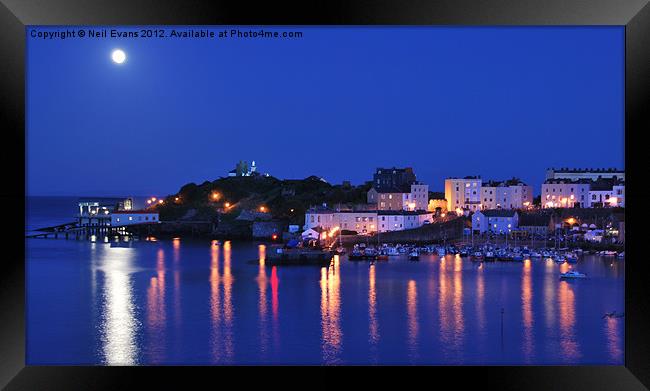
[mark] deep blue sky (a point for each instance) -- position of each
(497, 102)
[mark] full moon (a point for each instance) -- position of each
(118, 56)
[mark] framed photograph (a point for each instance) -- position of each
(341, 184)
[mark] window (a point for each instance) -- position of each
(130, 218)
(383, 218)
(311, 218)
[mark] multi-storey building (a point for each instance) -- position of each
(586, 173)
(510, 194)
(463, 193)
(397, 189)
(366, 221)
(400, 220)
(607, 193)
(564, 193)
(497, 221)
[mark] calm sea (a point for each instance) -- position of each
(203, 302)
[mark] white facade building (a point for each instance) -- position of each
(123, 218)
(498, 221)
(592, 174)
(463, 193)
(398, 221)
(563, 193)
(506, 195)
(366, 221)
(604, 195)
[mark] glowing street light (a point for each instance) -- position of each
(149, 201)
(216, 196)
(262, 209)
(160, 201)
(227, 205)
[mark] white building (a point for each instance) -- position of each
(607, 193)
(562, 193)
(400, 220)
(498, 221)
(321, 217)
(511, 194)
(123, 218)
(366, 221)
(592, 174)
(463, 193)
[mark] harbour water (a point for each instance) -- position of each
(204, 302)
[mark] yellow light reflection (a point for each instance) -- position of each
(228, 310)
(215, 302)
(527, 309)
(373, 332)
(412, 315)
(569, 348)
(330, 313)
(119, 326)
(613, 339)
(262, 305)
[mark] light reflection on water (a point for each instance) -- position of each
(119, 325)
(527, 310)
(373, 327)
(330, 312)
(339, 314)
(413, 323)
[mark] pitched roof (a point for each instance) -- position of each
(498, 212)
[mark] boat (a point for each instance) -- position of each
(535, 254)
(370, 253)
(489, 256)
(477, 256)
(572, 274)
(613, 314)
(414, 256)
(558, 258)
(299, 256)
(340, 250)
(608, 253)
(517, 257)
(391, 251)
(621, 254)
(571, 258)
(356, 255)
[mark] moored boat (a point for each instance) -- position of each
(572, 274)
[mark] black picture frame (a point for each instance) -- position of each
(15, 15)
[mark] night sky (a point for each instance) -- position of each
(337, 103)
